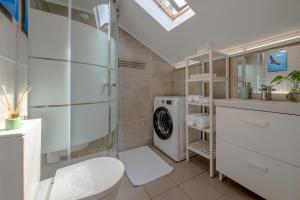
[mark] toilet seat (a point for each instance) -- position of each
(91, 179)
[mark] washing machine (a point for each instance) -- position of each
(169, 126)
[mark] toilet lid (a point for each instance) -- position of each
(96, 177)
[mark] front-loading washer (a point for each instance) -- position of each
(169, 126)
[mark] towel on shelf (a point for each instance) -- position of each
(200, 120)
(198, 99)
(204, 123)
(204, 101)
(201, 99)
(190, 98)
(196, 115)
(190, 122)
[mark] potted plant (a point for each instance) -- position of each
(14, 121)
(294, 78)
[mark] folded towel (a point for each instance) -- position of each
(204, 101)
(196, 98)
(200, 98)
(190, 98)
(200, 120)
(190, 123)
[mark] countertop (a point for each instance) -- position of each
(282, 107)
(26, 126)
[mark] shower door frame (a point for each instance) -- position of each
(113, 139)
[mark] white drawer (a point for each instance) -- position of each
(265, 176)
(272, 134)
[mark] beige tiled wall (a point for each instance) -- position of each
(13, 61)
(138, 87)
(179, 82)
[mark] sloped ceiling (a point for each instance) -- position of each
(226, 23)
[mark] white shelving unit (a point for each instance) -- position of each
(202, 146)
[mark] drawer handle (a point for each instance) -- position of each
(257, 165)
(257, 123)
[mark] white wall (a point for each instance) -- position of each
(293, 63)
(13, 62)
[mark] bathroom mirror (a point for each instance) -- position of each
(253, 68)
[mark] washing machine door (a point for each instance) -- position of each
(163, 123)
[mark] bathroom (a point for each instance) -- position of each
(101, 88)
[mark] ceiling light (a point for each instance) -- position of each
(256, 46)
(264, 44)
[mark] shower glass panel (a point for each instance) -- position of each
(89, 80)
(73, 70)
(113, 97)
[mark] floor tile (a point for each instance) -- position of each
(194, 165)
(193, 180)
(181, 174)
(163, 156)
(173, 194)
(240, 193)
(199, 189)
(220, 185)
(201, 161)
(232, 189)
(159, 186)
(238, 196)
(128, 192)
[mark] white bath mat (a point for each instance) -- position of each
(142, 165)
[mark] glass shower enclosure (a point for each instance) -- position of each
(73, 71)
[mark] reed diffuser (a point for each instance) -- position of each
(14, 121)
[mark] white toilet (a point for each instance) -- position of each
(20, 154)
(94, 179)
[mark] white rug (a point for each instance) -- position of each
(142, 165)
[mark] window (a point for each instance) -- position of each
(168, 13)
(173, 8)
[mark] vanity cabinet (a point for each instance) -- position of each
(259, 148)
(20, 160)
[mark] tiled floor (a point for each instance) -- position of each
(188, 181)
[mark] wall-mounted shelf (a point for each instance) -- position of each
(205, 147)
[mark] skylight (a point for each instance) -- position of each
(173, 8)
(168, 13)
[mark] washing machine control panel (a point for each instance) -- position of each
(168, 102)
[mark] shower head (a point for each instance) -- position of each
(101, 13)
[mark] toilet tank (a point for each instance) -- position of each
(20, 158)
